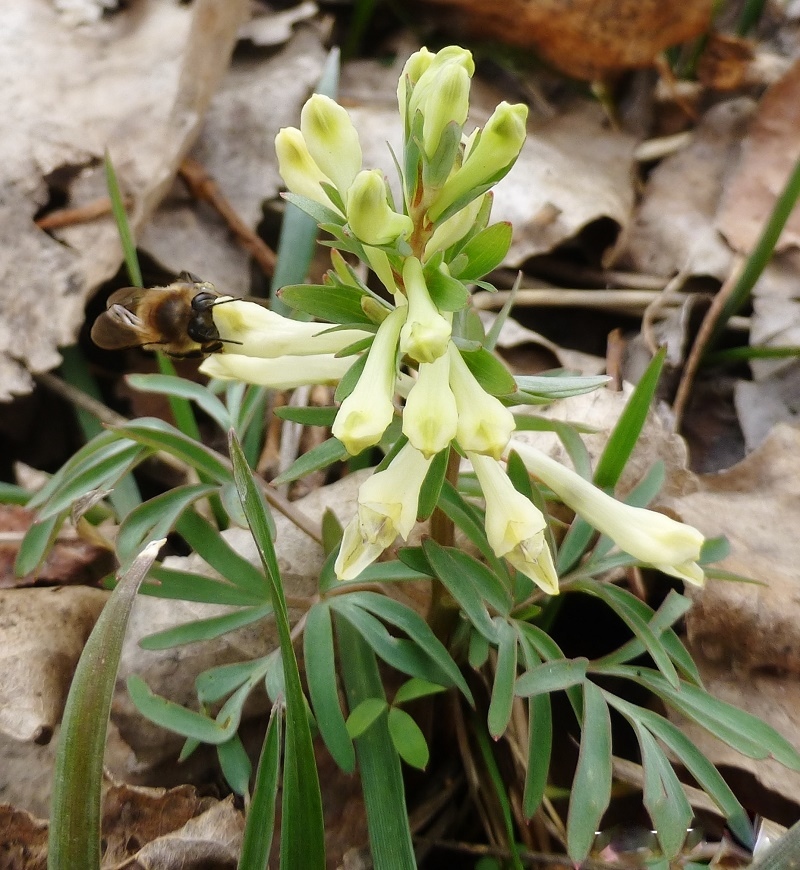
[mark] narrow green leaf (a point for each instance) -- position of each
(36, 544)
(478, 652)
(378, 763)
(415, 688)
(540, 744)
(74, 836)
(591, 786)
(486, 584)
(490, 373)
(183, 585)
(364, 715)
(208, 542)
(216, 683)
(550, 387)
(417, 629)
(123, 227)
(626, 433)
(505, 673)
(328, 302)
(260, 823)
(408, 739)
(552, 676)
(302, 829)
(159, 435)
(166, 385)
(318, 457)
(432, 485)
(156, 518)
(322, 686)
(173, 717)
(308, 416)
(447, 293)
(205, 629)
(619, 600)
(664, 797)
(468, 520)
(235, 764)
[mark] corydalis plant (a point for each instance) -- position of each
(425, 251)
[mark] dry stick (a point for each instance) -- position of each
(111, 418)
(202, 186)
(66, 217)
(701, 342)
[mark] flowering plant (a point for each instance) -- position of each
(417, 381)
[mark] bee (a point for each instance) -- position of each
(176, 319)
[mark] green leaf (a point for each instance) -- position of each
(549, 387)
(166, 385)
(478, 652)
(505, 673)
(235, 764)
(591, 786)
(123, 227)
(302, 829)
(332, 303)
(626, 433)
(74, 836)
(216, 683)
(211, 546)
(260, 823)
(318, 457)
(744, 732)
(432, 485)
(36, 544)
(419, 632)
(552, 676)
(183, 585)
(486, 251)
(540, 744)
(415, 688)
(158, 435)
(490, 373)
(175, 718)
(469, 521)
(620, 601)
(459, 564)
(312, 208)
(408, 739)
(378, 763)
(308, 416)
(155, 518)
(205, 629)
(446, 292)
(364, 715)
(664, 797)
(322, 686)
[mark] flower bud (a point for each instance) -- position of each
(430, 417)
(493, 152)
(426, 332)
(514, 525)
(648, 536)
(298, 168)
(484, 423)
(332, 140)
(454, 228)
(368, 212)
(447, 102)
(387, 507)
(368, 410)
(284, 373)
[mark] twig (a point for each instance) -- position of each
(65, 217)
(202, 186)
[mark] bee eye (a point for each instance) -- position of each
(203, 301)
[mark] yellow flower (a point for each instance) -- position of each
(298, 168)
(387, 507)
(284, 373)
(426, 333)
(332, 140)
(648, 536)
(368, 212)
(430, 417)
(514, 525)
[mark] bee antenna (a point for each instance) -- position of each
(230, 341)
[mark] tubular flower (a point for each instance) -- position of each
(426, 333)
(648, 536)
(387, 507)
(454, 228)
(298, 168)
(254, 330)
(484, 423)
(332, 140)
(430, 417)
(368, 410)
(447, 101)
(494, 151)
(514, 525)
(368, 212)
(284, 373)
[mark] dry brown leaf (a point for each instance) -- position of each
(137, 82)
(587, 39)
(769, 152)
(236, 146)
(210, 841)
(673, 229)
(23, 840)
(42, 633)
